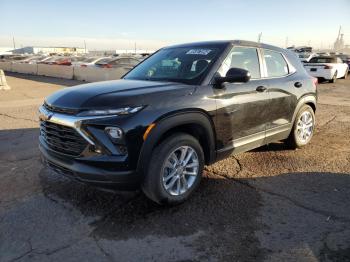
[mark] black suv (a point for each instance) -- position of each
(184, 107)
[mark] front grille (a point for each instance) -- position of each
(67, 111)
(62, 139)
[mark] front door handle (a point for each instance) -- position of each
(298, 84)
(261, 88)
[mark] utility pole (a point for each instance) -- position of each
(135, 48)
(85, 46)
(259, 37)
(14, 43)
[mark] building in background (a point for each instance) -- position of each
(49, 50)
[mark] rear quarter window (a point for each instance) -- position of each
(276, 65)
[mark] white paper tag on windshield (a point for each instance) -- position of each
(198, 52)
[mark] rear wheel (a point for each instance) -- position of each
(303, 128)
(175, 170)
(334, 79)
(346, 74)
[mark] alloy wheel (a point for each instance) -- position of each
(305, 126)
(180, 170)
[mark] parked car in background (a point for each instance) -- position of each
(33, 59)
(125, 62)
(184, 107)
(57, 60)
(42, 61)
(49, 60)
(91, 61)
(16, 58)
(76, 60)
(323, 54)
(305, 57)
(345, 58)
(327, 67)
(300, 49)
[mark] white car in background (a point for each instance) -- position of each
(327, 67)
(89, 61)
(306, 57)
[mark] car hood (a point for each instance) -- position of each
(117, 93)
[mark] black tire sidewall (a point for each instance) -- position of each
(297, 141)
(153, 185)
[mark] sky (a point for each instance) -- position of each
(107, 24)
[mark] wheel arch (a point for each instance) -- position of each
(194, 122)
(309, 100)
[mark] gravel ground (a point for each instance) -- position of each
(270, 204)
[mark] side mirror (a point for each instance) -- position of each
(234, 75)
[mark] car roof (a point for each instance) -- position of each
(222, 43)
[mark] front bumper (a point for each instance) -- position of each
(99, 172)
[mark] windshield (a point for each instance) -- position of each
(182, 64)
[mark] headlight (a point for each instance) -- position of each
(118, 111)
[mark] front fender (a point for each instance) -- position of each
(169, 122)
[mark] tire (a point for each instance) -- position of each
(346, 74)
(334, 79)
(295, 139)
(163, 164)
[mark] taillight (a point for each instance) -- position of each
(315, 81)
(107, 66)
(328, 67)
(83, 65)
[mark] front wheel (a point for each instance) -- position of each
(303, 128)
(175, 170)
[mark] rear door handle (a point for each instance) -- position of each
(298, 84)
(261, 88)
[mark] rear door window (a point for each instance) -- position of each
(242, 57)
(276, 65)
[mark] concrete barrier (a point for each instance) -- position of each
(94, 74)
(3, 83)
(58, 71)
(6, 66)
(25, 68)
(88, 74)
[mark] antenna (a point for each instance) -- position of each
(259, 37)
(339, 32)
(14, 43)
